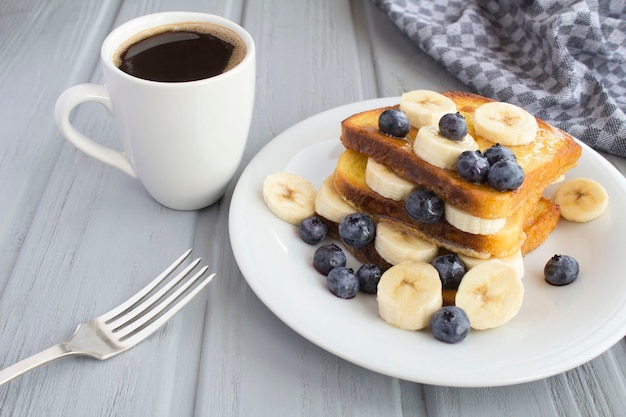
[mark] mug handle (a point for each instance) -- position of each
(66, 102)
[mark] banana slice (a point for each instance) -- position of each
(396, 244)
(289, 196)
(466, 222)
(329, 204)
(409, 294)
(491, 294)
(581, 199)
(505, 123)
(516, 261)
(439, 151)
(425, 107)
(387, 183)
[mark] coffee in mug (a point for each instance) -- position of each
(181, 52)
(180, 87)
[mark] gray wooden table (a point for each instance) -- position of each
(77, 237)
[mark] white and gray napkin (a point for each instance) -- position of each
(563, 61)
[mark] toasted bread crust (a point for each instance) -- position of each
(540, 224)
(544, 160)
(536, 220)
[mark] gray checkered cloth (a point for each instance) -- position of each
(564, 61)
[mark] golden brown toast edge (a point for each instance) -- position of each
(360, 132)
(349, 182)
(537, 231)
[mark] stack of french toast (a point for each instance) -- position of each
(437, 181)
(378, 172)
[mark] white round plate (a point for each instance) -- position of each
(557, 329)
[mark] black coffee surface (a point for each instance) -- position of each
(177, 56)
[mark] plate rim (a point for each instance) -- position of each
(336, 113)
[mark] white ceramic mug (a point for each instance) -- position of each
(183, 140)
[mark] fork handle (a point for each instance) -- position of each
(25, 365)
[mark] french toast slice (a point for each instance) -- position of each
(544, 160)
(526, 228)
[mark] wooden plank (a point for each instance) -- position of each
(399, 65)
(93, 236)
(310, 63)
(401, 68)
(75, 233)
(38, 44)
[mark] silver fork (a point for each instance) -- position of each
(126, 325)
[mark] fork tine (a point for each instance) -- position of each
(146, 290)
(150, 322)
(129, 315)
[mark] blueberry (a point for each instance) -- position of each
(498, 152)
(451, 269)
(313, 230)
(453, 126)
(369, 276)
(472, 166)
(424, 206)
(450, 324)
(327, 257)
(393, 122)
(505, 175)
(561, 270)
(357, 229)
(343, 282)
